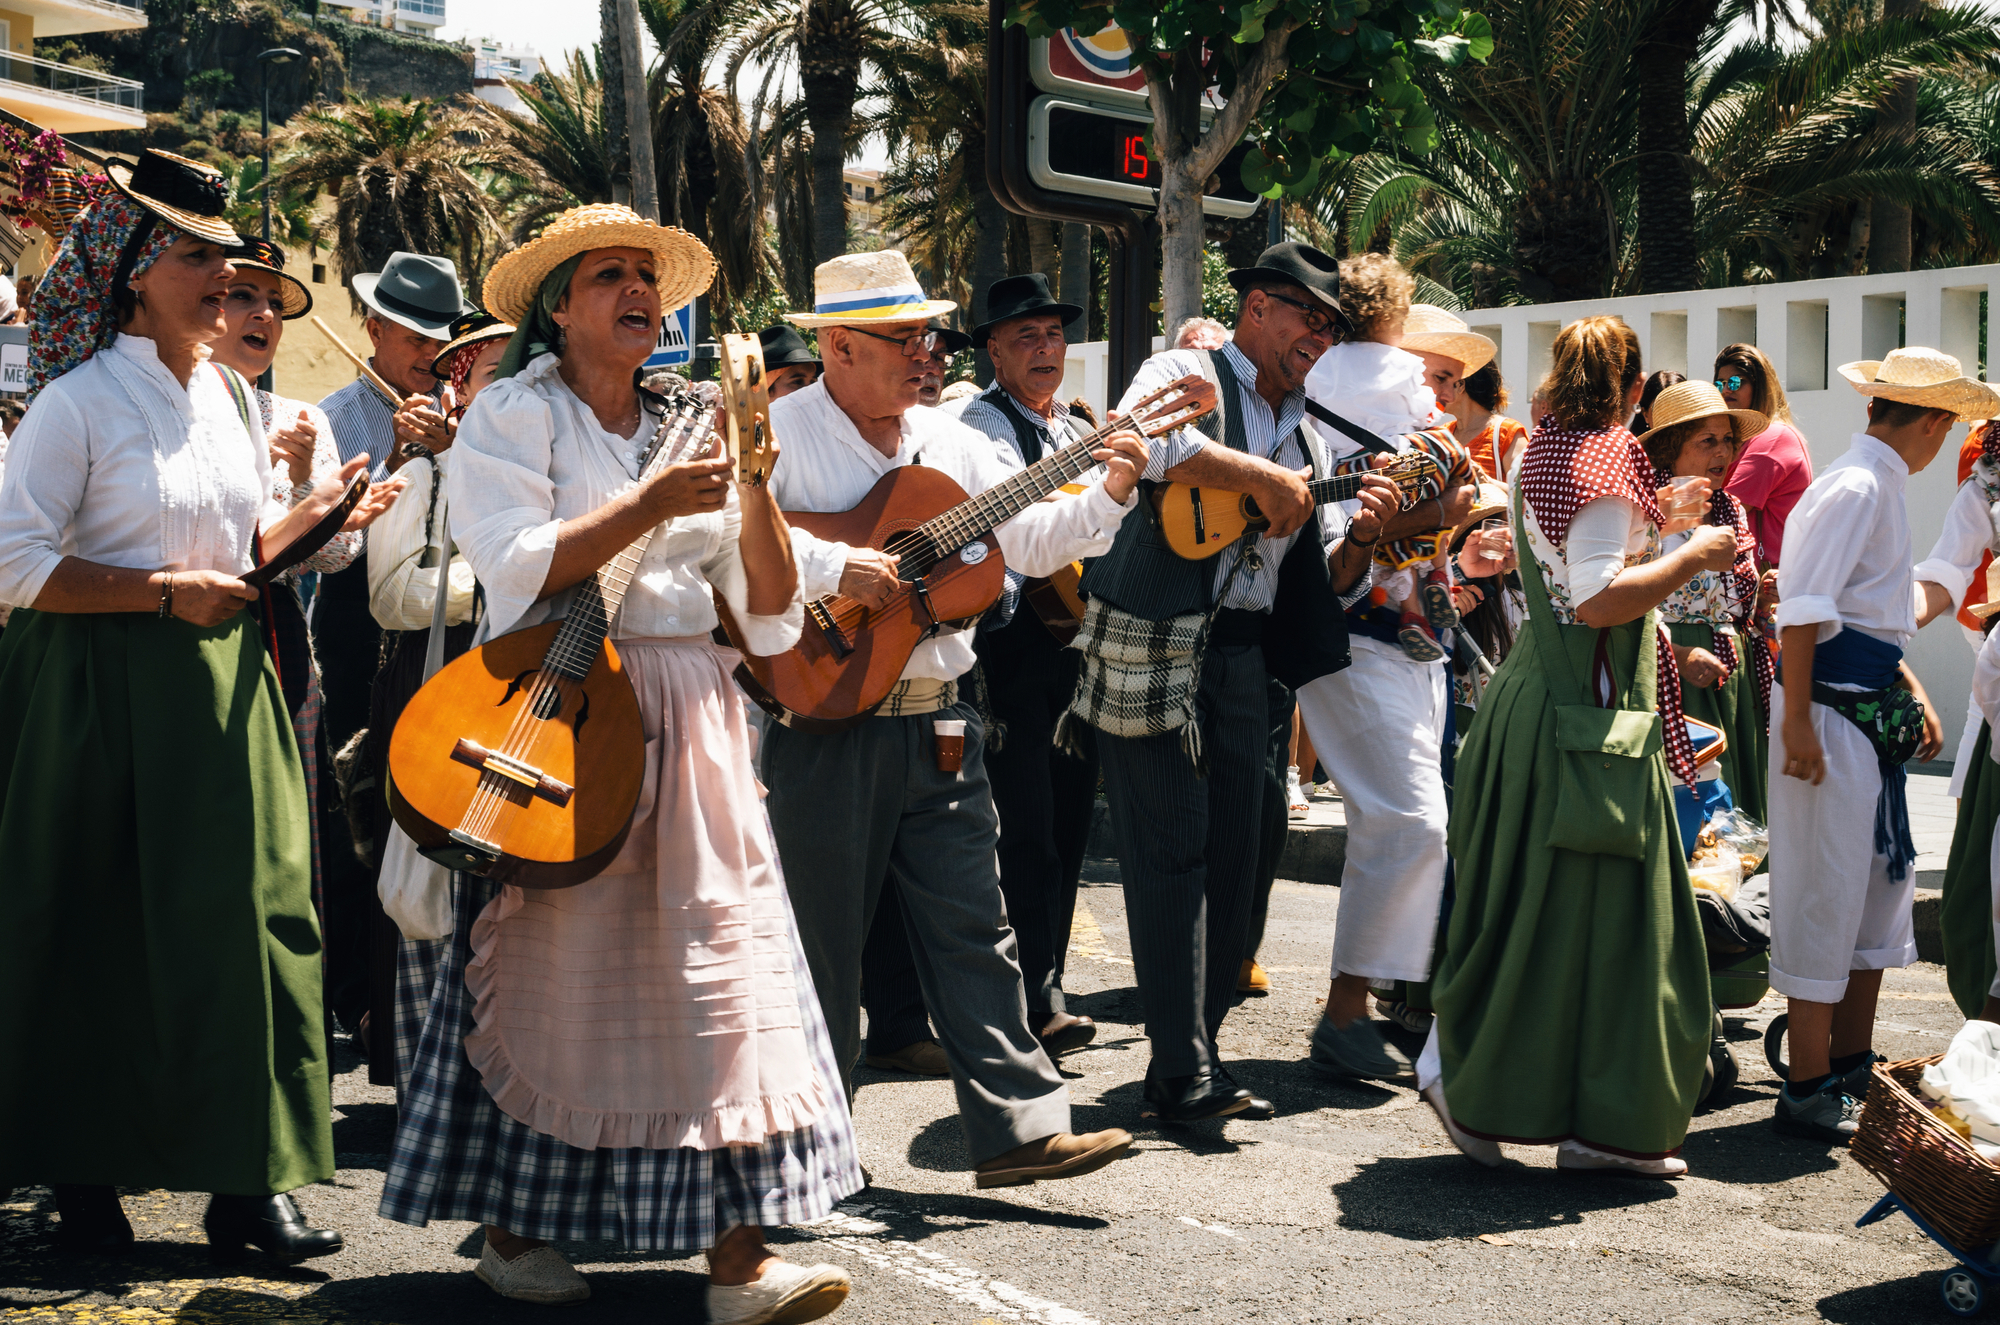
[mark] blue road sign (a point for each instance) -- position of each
(676, 339)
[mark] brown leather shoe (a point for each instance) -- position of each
(924, 1059)
(1065, 1032)
(1064, 1155)
(1251, 979)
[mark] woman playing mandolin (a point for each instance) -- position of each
(640, 1057)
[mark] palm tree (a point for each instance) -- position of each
(559, 147)
(293, 217)
(405, 176)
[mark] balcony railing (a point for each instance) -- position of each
(69, 81)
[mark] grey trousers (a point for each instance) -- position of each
(849, 808)
(1187, 852)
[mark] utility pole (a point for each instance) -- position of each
(638, 112)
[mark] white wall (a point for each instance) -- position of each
(1807, 329)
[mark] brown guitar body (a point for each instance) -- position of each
(590, 757)
(849, 658)
(1058, 600)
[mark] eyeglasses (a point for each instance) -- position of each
(1318, 321)
(1733, 382)
(925, 341)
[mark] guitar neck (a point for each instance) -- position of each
(686, 429)
(1341, 487)
(977, 516)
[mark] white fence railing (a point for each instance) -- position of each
(1807, 329)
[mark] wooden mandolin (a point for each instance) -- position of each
(1199, 522)
(850, 657)
(523, 759)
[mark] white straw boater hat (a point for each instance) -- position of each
(683, 265)
(1932, 379)
(1432, 329)
(868, 287)
(1684, 402)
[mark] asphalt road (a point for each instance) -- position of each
(1350, 1205)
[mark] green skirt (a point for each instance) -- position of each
(1733, 707)
(1965, 912)
(160, 1021)
(1572, 996)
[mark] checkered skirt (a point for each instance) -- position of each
(457, 1156)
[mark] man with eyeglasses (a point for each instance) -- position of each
(858, 805)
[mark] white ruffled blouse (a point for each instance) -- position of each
(119, 464)
(530, 455)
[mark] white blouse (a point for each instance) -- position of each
(278, 411)
(1971, 527)
(402, 590)
(119, 464)
(531, 455)
(1847, 549)
(1604, 537)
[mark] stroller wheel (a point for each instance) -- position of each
(1774, 1046)
(1963, 1293)
(1723, 1058)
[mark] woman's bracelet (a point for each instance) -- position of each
(167, 595)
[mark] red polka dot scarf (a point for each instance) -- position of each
(1725, 512)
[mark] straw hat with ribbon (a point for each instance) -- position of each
(185, 194)
(262, 255)
(868, 287)
(1992, 603)
(683, 266)
(1930, 379)
(468, 329)
(1435, 331)
(1684, 402)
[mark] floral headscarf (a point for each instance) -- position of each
(74, 312)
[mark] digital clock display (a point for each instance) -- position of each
(1096, 145)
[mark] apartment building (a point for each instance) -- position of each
(864, 200)
(60, 96)
(420, 17)
(494, 64)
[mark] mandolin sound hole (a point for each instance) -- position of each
(549, 703)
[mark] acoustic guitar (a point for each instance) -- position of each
(1199, 522)
(523, 759)
(850, 656)
(1057, 599)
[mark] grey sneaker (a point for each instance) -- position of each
(1829, 1114)
(1359, 1051)
(1855, 1083)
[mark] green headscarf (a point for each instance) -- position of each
(538, 333)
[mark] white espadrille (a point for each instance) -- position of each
(1576, 1155)
(541, 1276)
(1475, 1148)
(786, 1295)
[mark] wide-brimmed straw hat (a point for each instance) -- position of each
(683, 266)
(868, 287)
(1931, 379)
(1436, 331)
(265, 256)
(468, 329)
(183, 193)
(1490, 499)
(1684, 402)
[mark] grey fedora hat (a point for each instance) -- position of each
(415, 291)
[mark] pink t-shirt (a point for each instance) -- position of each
(1770, 476)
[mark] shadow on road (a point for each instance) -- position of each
(1911, 1298)
(431, 1298)
(1447, 1196)
(1753, 1152)
(956, 1214)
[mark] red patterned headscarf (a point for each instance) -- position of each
(74, 313)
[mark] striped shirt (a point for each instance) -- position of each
(362, 421)
(1270, 436)
(985, 413)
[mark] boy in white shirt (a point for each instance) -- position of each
(1842, 859)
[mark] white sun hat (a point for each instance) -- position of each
(1931, 379)
(868, 287)
(1436, 331)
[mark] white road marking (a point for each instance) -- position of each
(871, 1241)
(1209, 1228)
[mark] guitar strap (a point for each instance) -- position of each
(1368, 440)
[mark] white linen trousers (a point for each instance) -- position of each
(1378, 726)
(1833, 908)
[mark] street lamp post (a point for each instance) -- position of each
(265, 59)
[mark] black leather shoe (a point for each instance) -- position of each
(1258, 1109)
(269, 1223)
(1187, 1099)
(93, 1222)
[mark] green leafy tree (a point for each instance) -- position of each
(1311, 81)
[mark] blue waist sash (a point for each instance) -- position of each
(1888, 716)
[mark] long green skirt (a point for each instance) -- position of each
(1965, 912)
(1733, 707)
(160, 1021)
(1572, 996)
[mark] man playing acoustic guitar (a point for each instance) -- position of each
(892, 792)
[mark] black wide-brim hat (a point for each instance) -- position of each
(263, 255)
(417, 291)
(1021, 296)
(954, 341)
(1301, 265)
(185, 194)
(784, 347)
(468, 329)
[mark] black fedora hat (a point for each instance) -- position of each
(784, 347)
(417, 291)
(954, 341)
(265, 256)
(1021, 296)
(1301, 265)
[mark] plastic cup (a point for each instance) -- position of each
(948, 735)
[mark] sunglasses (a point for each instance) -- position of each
(1317, 321)
(1733, 382)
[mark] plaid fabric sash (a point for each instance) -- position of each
(1139, 677)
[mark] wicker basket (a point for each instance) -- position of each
(1924, 1162)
